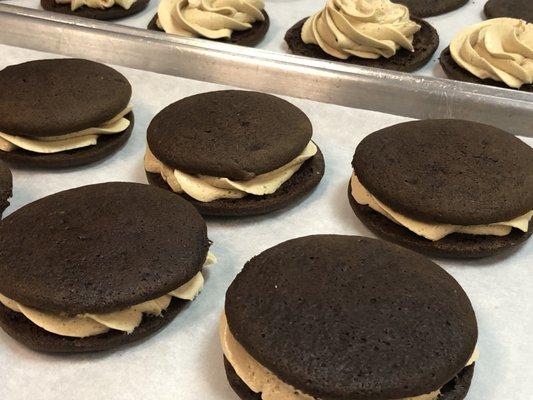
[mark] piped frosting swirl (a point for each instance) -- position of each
(500, 49)
(212, 19)
(363, 28)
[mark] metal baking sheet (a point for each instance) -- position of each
(184, 361)
(411, 95)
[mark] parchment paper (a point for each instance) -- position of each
(184, 361)
(285, 13)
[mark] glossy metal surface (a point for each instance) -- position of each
(389, 92)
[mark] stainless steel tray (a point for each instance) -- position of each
(331, 82)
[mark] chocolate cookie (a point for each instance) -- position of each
(249, 38)
(520, 9)
(456, 389)
(471, 174)
(55, 97)
(429, 8)
(454, 71)
(237, 135)
(114, 12)
(316, 311)
(107, 145)
(94, 250)
(454, 245)
(6, 187)
(295, 189)
(425, 43)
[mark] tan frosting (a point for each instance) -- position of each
(69, 141)
(208, 188)
(212, 19)
(435, 231)
(101, 4)
(261, 380)
(500, 49)
(361, 28)
(94, 324)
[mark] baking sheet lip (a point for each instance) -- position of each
(247, 54)
(321, 80)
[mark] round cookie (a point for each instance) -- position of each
(464, 163)
(6, 187)
(115, 12)
(454, 71)
(82, 251)
(237, 135)
(429, 8)
(249, 38)
(316, 310)
(44, 98)
(520, 9)
(47, 97)
(425, 43)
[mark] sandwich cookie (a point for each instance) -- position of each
(96, 9)
(62, 113)
(99, 266)
(429, 8)
(233, 153)
(6, 187)
(520, 9)
(347, 318)
(447, 188)
(370, 33)
(243, 22)
(497, 52)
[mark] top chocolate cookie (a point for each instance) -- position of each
(449, 171)
(59, 96)
(100, 248)
(233, 134)
(6, 186)
(346, 317)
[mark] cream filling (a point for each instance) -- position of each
(500, 49)
(69, 141)
(435, 231)
(212, 19)
(362, 28)
(209, 188)
(261, 380)
(95, 324)
(101, 4)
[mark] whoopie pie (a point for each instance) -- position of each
(233, 153)
(99, 266)
(450, 188)
(60, 113)
(347, 318)
(6, 186)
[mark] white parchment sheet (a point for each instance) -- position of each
(285, 13)
(184, 361)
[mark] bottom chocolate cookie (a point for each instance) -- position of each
(300, 184)
(429, 8)
(454, 71)
(114, 12)
(519, 9)
(425, 43)
(23, 330)
(249, 38)
(106, 145)
(456, 245)
(456, 389)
